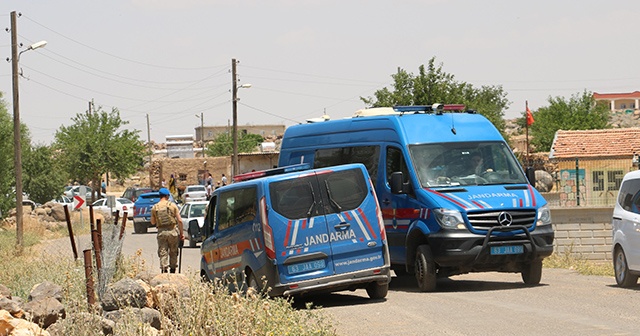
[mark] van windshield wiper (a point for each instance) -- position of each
(313, 204)
(326, 184)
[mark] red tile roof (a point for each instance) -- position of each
(596, 143)
(629, 95)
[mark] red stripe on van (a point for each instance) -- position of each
(348, 216)
(521, 202)
(533, 197)
(373, 233)
(447, 198)
(304, 223)
(286, 237)
(478, 204)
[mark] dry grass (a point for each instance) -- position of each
(210, 310)
(574, 261)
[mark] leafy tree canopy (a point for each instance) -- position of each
(43, 178)
(95, 145)
(580, 112)
(223, 144)
(433, 85)
(7, 171)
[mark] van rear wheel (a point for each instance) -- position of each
(425, 268)
(377, 291)
(621, 269)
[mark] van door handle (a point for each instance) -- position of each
(342, 226)
(386, 201)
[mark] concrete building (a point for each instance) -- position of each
(620, 102)
(266, 131)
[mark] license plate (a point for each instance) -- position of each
(507, 249)
(306, 266)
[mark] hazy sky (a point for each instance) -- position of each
(172, 59)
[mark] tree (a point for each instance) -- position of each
(580, 112)
(7, 171)
(223, 144)
(43, 178)
(95, 145)
(433, 85)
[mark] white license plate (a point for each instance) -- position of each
(507, 249)
(306, 266)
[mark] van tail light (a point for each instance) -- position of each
(267, 232)
(383, 233)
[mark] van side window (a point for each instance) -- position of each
(343, 190)
(629, 196)
(369, 156)
(295, 198)
(236, 206)
(210, 217)
(395, 162)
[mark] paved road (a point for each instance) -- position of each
(565, 303)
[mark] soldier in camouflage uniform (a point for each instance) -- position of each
(166, 217)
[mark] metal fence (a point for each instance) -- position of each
(583, 182)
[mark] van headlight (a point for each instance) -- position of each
(544, 216)
(449, 219)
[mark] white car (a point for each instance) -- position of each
(122, 205)
(193, 214)
(626, 231)
(194, 193)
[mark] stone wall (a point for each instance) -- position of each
(585, 232)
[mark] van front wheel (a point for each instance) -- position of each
(377, 291)
(425, 269)
(532, 272)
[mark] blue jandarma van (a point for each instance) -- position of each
(299, 230)
(453, 196)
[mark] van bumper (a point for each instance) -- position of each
(353, 280)
(468, 252)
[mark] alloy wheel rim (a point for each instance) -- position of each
(620, 265)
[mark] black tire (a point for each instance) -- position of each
(139, 228)
(377, 291)
(621, 269)
(252, 282)
(425, 269)
(532, 272)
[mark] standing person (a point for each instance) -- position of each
(172, 185)
(165, 216)
(209, 180)
(224, 180)
(209, 190)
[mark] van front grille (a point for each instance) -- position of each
(484, 220)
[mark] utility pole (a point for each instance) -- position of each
(234, 131)
(17, 150)
(150, 152)
(202, 133)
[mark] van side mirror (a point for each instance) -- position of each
(531, 175)
(397, 183)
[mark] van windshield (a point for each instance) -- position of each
(465, 163)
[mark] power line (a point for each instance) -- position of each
(118, 57)
(269, 113)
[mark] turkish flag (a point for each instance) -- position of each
(529, 117)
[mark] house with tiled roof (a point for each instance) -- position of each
(595, 161)
(620, 102)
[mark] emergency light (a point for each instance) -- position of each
(435, 108)
(271, 172)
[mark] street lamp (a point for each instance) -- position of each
(17, 150)
(235, 127)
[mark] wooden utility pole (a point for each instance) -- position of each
(202, 133)
(234, 131)
(17, 150)
(150, 152)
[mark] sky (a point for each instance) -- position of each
(171, 60)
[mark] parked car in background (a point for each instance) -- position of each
(132, 193)
(142, 210)
(71, 191)
(122, 205)
(194, 193)
(192, 214)
(64, 200)
(626, 231)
